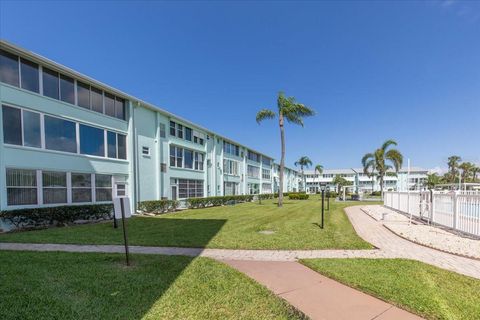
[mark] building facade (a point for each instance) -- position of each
(291, 182)
(68, 139)
(357, 179)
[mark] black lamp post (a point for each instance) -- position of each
(322, 187)
(328, 198)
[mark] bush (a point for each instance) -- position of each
(265, 196)
(56, 216)
(298, 196)
(376, 193)
(333, 194)
(158, 206)
(195, 203)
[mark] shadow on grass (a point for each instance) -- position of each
(97, 285)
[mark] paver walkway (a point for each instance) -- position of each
(316, 295)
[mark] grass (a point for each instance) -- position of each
(295, 226)
(56, 285)
(423, 289)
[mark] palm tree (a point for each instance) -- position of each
(453, 164)
(319, 170)
(303, 162)
(369, 169)
(340, 182)
(293, 112)
(475, 171)
(432, 180)
(382, 157)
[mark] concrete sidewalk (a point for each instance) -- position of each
(317, 296)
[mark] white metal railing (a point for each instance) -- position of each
(457, 210)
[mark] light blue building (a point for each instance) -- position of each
(69, 139)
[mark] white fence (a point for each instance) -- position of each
(456, 210)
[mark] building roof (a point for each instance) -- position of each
(360, 170)
(73, 73)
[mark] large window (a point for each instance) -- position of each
(188, 188)
(230, 188)
(188, 154)
(188, 134)
(230, 167)
(176, 157)
(50, 83)
(92, 141)
(9, 70)
(122, 146)
(67, 89)
(12, 125)
(253, 172)
(60, 135)
(54, 187)
(199, 161)
(185, 158)
(109, 104)
(31, 129)
(253, 156)
(29, 75)
(81, 187)
(231, 148)
(97, 100)
(83, 95)
(103, 187)
(111, 144)
(266, 174)
(266, 161)
(266, 188)
(21, 187)
(182, 132)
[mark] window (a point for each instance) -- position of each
(230, 167)
(266, 174)
(50, 83)
(21, 187)
(111, 144)
(29, 75)
(190, 188)
(253, 188)
(31, 129)
(146, 151)
(109, 104)
(172, 128)
(121, 189)
(199, 161)
(162, 130)
(54, 187)
(188, 134)
(12, 125)
(122, 146)
(231, 148)
(103, 187)
(92, 141)
(266, 161)
(230, 188)
(120, 108)
(81, 187)
(253, 156)
(266, 188)
(96, 96)
(176, 157)
(179, 131)
(253, 172)
(9, 68)
(83, 95)
(67, 89)
(188, 154)
(60, 135)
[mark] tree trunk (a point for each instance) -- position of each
(282, 159)
(304, 181)
(381, 186)
(373, 184)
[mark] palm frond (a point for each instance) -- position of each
(366, 158)
(395, 157)
(265, 114)
(388, 143)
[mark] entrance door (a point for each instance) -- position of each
(174, 192)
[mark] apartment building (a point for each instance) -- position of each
(69, 139)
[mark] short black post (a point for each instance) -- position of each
(125, 239)
(115, 223)
(323, 211)
(328, 201)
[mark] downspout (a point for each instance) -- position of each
(135, 161)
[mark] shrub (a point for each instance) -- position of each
(298, 196)
(376, 193)
(158, 206)
(56, 216)
(333, 194)
(195, 203)
(266, 196)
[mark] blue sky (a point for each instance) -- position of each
(372, 70)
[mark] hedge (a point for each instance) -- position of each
(287, 194)
(56, 216)
(265, 196)
(298, 196)
(158, 206)
(195, 203)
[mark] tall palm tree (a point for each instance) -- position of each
(467, 170)
(453, 164)
(319, 170)
(303, 162)
(287, 108)
(384, 159)
(368, 164)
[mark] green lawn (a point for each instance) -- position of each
(295, 226)
(55, 285)
(429, 291)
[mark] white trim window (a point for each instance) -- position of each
(230, 188)
(231, 148)
(103, 187)
(253, 156)
(189, 188)
(21, 187)
(230, 167)
(186, 158)
(54, 186)
(81, 187)
(266, 188)
(266, 174)
(199, 158)
(253, 171)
